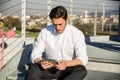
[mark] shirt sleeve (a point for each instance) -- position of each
(80, 47)
(39, 47)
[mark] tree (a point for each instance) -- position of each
(11, 22)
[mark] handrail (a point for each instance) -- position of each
(10, 48)
(9, 44)
(13, 48)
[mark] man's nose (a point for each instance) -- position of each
(57, 27)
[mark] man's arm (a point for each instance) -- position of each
(74, 62)
(63, 64)
(38, 48)
(80, 48)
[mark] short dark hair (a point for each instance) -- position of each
(58, 12)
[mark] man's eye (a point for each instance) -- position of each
(60, 24)
(54, 25)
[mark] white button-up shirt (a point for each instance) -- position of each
(68, 45)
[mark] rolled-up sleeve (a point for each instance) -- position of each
(80, 48)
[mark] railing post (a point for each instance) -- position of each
(103, 21)
(71, 11)
(24, 20)
(48, 11)
(2, 55)
(2, 45)
(95, 18)
(119, 22)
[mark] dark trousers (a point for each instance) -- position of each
(36, 72)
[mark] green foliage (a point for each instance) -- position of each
(87, 29)
(32, 34)
(11, 22)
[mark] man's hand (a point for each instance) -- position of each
(61, 65)
(46, 64)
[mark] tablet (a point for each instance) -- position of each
(54, 62)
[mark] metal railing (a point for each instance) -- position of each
(82, 11)
(10, 46)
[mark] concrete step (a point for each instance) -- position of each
(16, 75)
(102, 75)
(96, 71)
(92, 75)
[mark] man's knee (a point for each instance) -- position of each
(82, 69)
(33, 72)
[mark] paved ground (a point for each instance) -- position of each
(104, 61)
(107, 52)
(99, 75)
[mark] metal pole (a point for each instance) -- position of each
(24, 20)
(2, 48)
(48, 12)
(119, 22)
(103, 16)
(71, 11)
(2, 44)
(2, 55)
(95, 19)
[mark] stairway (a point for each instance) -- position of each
(16, 57)
(96, 71)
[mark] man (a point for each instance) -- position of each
(64, 47)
